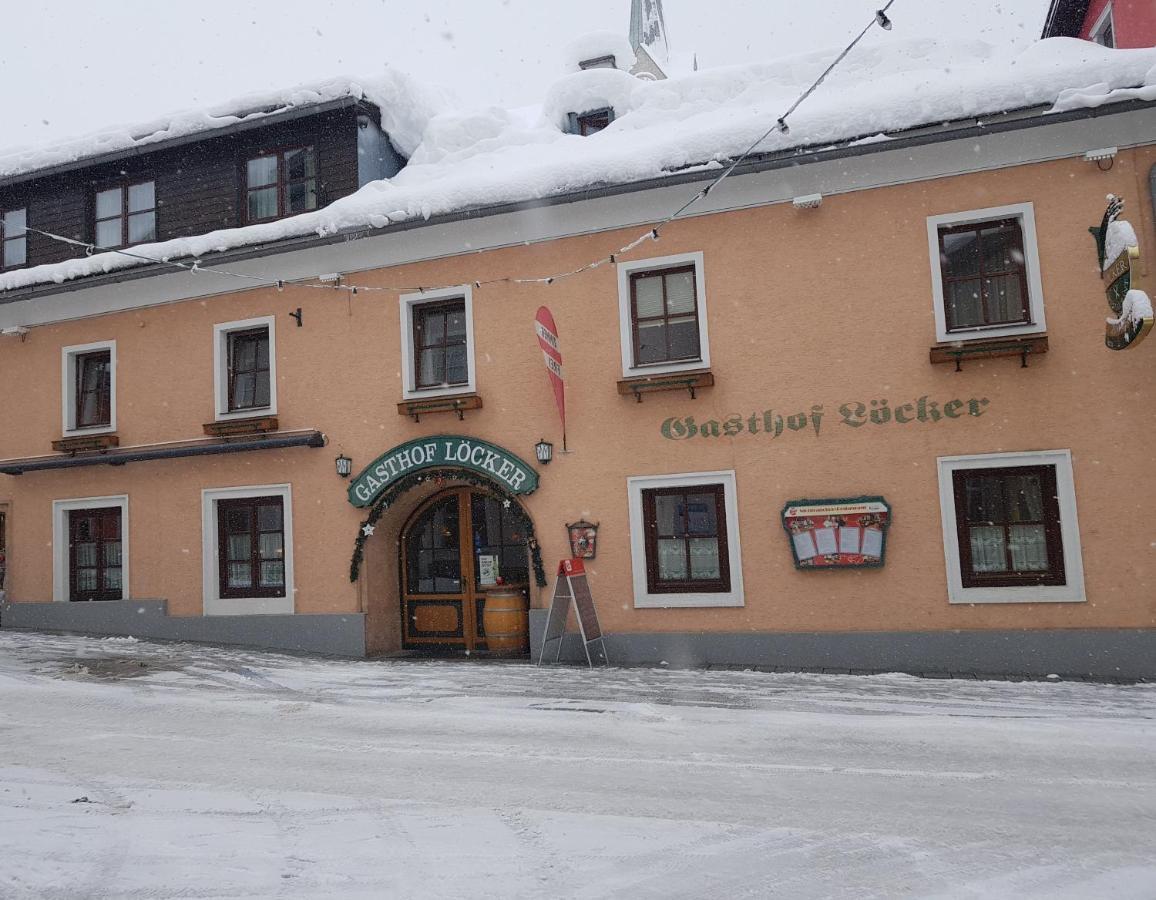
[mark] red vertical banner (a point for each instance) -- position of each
(547, 333)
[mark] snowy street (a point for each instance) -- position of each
(138, 770)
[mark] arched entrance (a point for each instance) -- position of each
(455, 546)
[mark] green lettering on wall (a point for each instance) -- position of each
(874, 414)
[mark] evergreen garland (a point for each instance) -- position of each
(389, 496)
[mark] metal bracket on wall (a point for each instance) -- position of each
(647, 384)
(997, 347)
(418, 408)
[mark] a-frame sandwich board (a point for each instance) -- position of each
(573, 590)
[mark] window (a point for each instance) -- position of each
(13, 238)
(247, 550)
(662, 310)
(1008, 523)
(95, 561)
(249, 369)
(984, 281)
(281, 183)
(593, 122)
(245, 368)
(93, 389)
(88, 380)
(1102, 32)
(664, 316)
(90, 549)
(1010, 530)
(437, 347)
(439, 334)
(126, 214)
(684, 540)
(251, 545)
(986, 273)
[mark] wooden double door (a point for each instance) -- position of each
(457, 545)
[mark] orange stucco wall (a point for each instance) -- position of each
(822, 306)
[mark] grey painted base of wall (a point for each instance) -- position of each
(1096, 653)
(333, 635)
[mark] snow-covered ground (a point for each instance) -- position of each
(140, 770)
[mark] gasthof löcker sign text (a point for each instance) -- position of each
(853, 414)
(442, 451)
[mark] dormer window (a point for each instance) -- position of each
(593, 122)
(281, 183)
(599, 62)
(126, 214)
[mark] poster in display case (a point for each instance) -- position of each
(839, 533)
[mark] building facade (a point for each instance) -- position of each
(855, 412)
(1110, 23)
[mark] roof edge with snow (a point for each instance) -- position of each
(247, 122)
(924, 135)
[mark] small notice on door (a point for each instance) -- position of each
(487, 570)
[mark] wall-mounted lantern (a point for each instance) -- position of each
(583, 539)
(344, 465)
(544, 450)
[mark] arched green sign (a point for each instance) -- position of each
(442, 451)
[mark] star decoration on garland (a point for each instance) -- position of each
(368, 529)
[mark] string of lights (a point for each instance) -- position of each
(880, 19)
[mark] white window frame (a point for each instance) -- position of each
(1025, 213)
(626, 331)
(7, 238)
(1073, 590)
(1106, 18)
(214, 604)
(643, 598)
(60, 511)
(68, 356)
(407, 303)
(221, 334)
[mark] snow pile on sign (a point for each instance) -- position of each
(1121, 235)
(1137, 308)
(476, 159)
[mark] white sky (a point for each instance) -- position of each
(73, 66)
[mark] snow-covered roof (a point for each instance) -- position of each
(464, 160)
(406, 107)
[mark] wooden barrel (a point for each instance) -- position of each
(506, 622)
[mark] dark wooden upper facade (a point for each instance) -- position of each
(200, 185)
